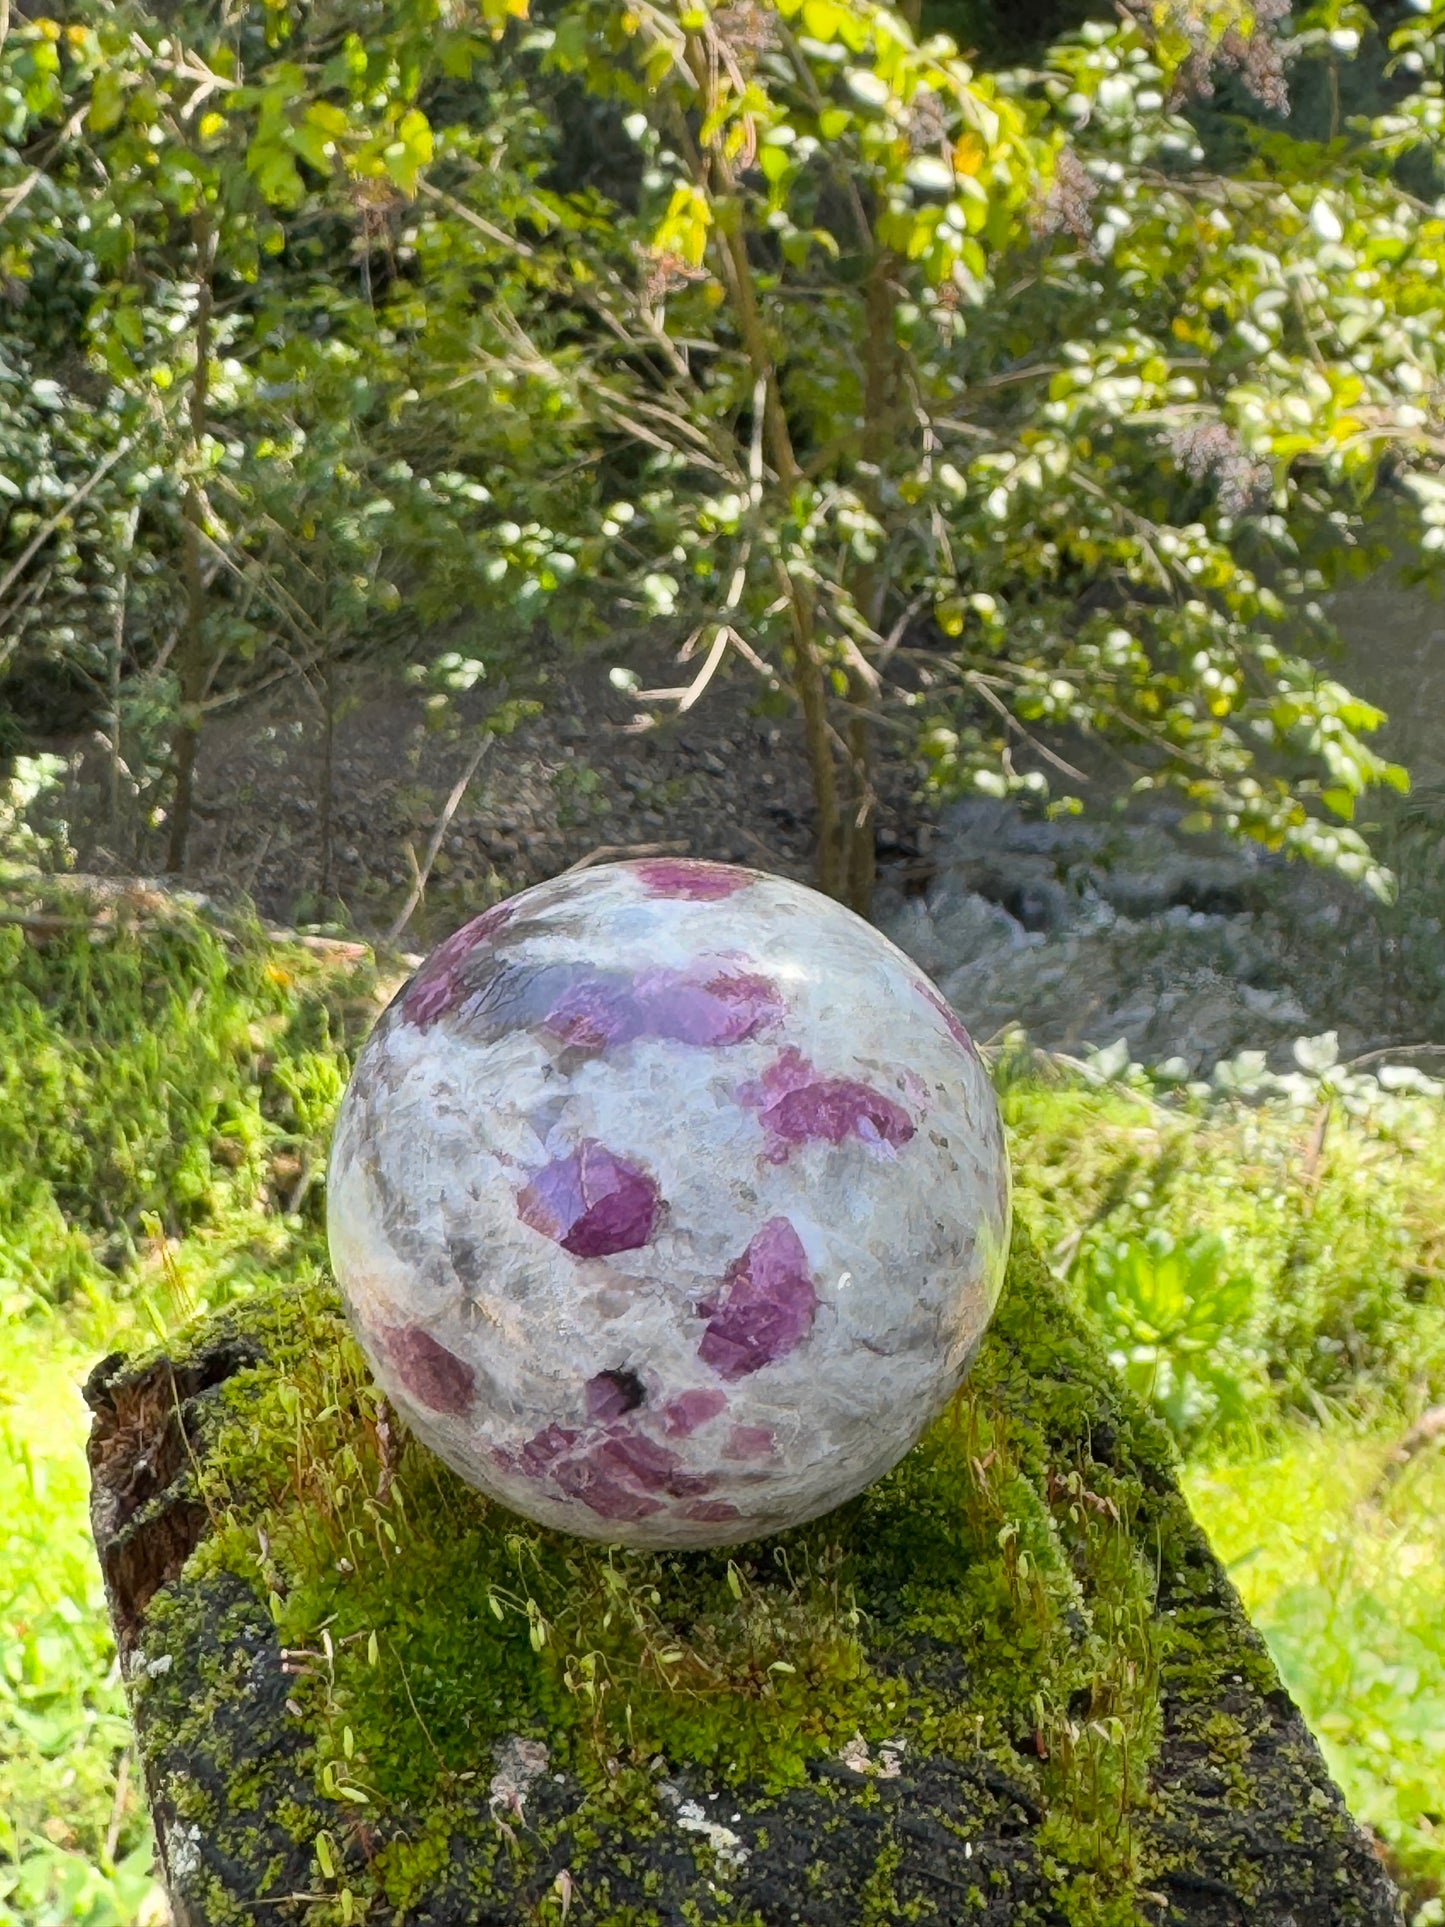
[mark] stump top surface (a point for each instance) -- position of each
(1008, 1683)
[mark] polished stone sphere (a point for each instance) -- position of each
(669, 1202)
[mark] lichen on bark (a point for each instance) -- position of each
(1007, 1683)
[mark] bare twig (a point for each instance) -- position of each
(1394, 1050)
(442, 1766)
(72, 502)
(260, 857)
(900, 628)
(39, 583)
(1429, 1427)
(980, 683)
(117, 1807)
(449, 810)
(780, 864)
(606, 852)
(705, 674)
(17, 195)
(473, 219)
(117, 648)
(1313, 1167)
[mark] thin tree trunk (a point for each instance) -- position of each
(860, 858)
(117, 655)
(808, 679)
(846, 826)
(328, 743)
(439, 830)
(813, 700)
(867, 586)
(191, 652)
(807, 669)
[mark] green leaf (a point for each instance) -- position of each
(107, 101)
(273, 168)
(822, 19)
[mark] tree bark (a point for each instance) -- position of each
(868, 581)
(809, 682)
(713, 174)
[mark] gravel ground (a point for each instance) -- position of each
(722, 781)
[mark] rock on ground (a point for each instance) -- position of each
(1086, 932)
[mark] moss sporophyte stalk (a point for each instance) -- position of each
(992, 1680)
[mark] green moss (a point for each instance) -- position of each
(182, 1068)
(163, 1072)
(991, 1605)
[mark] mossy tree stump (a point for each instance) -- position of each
(1008, 1684)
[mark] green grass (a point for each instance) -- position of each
(1346, 1580)
(1267, 1264)
(74, 1844)
(165, 1090)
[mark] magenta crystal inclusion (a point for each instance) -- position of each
(438, 1378)
(694, 881)
(436, 987)
(710, 1006)
(591, 1203)
(766, 1305)
(798, 1106)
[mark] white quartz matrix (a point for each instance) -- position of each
(669, 1202)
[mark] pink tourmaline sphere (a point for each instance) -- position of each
(669, 1202)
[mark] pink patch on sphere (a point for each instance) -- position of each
(766, 1307)
(438, 986)
(749, 1442)
(689, 1410)
(797, 1106)
(611, 1394)
(951, 1018)
(436, 1377)
(710, 1007)
(591, 1203)
(669, 1202)
(694, 881)
(616, 1472)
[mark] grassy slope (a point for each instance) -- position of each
(1347, 1584)
(164, 1093)
(164, 1101)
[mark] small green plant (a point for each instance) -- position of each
(1171, 1311)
